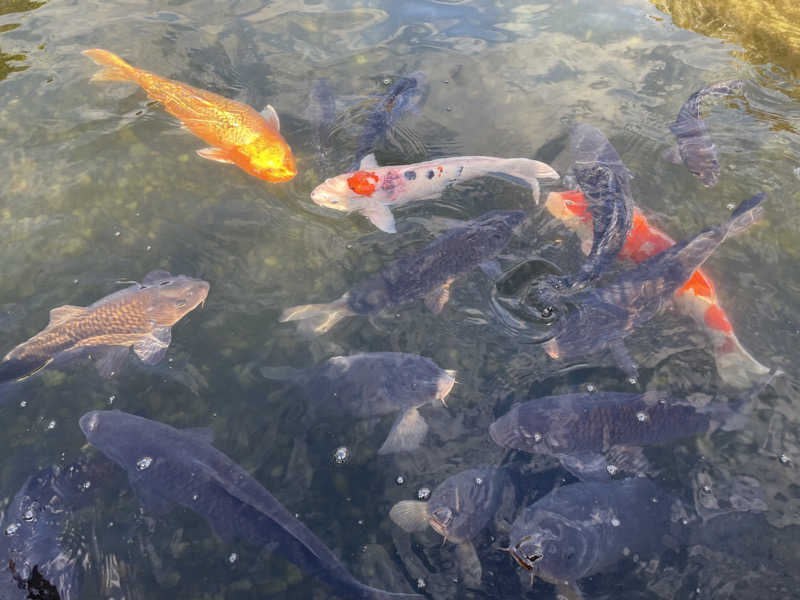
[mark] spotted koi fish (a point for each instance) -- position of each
(236, 132)
(697, 298)
(372, 189)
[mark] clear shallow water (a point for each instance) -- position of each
(101, 185)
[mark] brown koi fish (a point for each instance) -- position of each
(236, 132)
(141, 316)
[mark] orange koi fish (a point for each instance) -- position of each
(237, 133)
(697, 298)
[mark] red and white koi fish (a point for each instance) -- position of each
(697, 298)
(372, 189)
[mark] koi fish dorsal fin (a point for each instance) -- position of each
(62, 313)
(271, 116)
(368, 162)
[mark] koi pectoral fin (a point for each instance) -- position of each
(436, 299)
(381, 217)
(407, 433)
(215, 154)
(152, 348)
(469, 565)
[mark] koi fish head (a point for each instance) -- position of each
(270, 159)
(344, 192)
(171, 298)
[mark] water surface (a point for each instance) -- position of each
(101, 185)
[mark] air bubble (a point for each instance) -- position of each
(785, 460)
(387, 81)
(340, 455)
(29, 515)
(615, 522)
(537, 437)
(612, 470)
(421, 583)
(51, 425)
(400, 480)
(479, 481)
(641, 416)
(590, 388)
(423, 493)
(12, 529)
(233, 557)
(144, 463)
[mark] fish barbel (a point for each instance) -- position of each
(236, 132)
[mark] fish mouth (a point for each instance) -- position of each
(88, 422)
(445, 385)
(438, 527)
(527, 558)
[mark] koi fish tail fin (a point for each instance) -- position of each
(117, 69)
(529, 171)
(317, 318)
(737, 367)
(747, 213)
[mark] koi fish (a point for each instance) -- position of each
(458, 510)
(604, 316)
(426, 274)
(405, 94)
(697, 298)
(140, 316)
(237, 134)
(168, 466)
(695, 148)
(371, 190)
(605, 181)
(588, 527)
(597, 434)
(374, 384)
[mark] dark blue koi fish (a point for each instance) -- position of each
(405, 94)
(603, 317)
(695, 148)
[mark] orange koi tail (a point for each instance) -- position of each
(117, 69)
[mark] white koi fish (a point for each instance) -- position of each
(372, 189)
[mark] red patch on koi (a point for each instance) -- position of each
(699, 285)
(363, 183)
(441, 170)
(716, 319)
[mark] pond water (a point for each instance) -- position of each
(101, 185)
